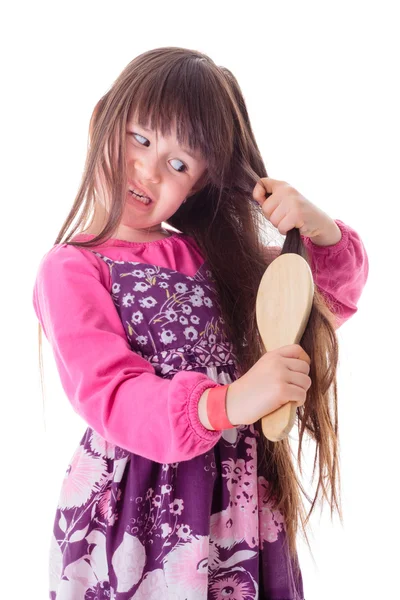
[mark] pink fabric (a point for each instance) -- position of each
(340, 271)
(112, 387)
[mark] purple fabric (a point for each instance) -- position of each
(128, 527)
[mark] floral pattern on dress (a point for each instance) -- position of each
(189, 327)
(127, 528)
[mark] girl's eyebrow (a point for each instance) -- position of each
(187, 150)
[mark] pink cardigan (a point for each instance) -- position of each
(114, 389)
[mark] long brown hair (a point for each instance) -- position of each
(210, 113)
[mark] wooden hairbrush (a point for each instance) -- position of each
(283, 307)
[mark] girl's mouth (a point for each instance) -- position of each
(142, 199)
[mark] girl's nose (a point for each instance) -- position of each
(147, 169)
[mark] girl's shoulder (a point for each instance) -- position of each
(65, 252)
(64, 261)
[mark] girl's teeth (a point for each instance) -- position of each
(142, 199)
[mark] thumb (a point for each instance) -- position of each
(261, 191)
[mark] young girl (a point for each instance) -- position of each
(154, 337)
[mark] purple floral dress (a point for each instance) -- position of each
(130, 528)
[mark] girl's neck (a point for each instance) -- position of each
(133, 236)
(124, 232)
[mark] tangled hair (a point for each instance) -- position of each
(209, 110)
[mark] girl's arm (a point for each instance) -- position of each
(116, 391)
(340, 271)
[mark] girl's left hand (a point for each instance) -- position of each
(286, 208)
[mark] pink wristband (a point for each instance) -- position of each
(216, 408)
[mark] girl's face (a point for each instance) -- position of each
(168, 172)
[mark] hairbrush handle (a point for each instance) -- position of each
(283, 306)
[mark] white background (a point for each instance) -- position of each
(320, 80)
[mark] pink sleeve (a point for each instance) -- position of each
(340, 271)
(114, 389)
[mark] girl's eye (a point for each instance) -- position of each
(180, 170)
(143, 138)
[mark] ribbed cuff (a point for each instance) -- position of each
(193, 411)
(335, 248)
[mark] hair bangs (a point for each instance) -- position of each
(164, 102)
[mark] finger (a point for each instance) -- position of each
(270, 206)
(300, 379)
(270, 184)
(260, 193)
(294, 393)
(265, 187)
(293, 351)
(287, 223)
(301, 353)
(278, 215)
(298, 365)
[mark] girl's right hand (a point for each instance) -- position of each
(278, 377)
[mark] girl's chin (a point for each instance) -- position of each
(132, 219)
